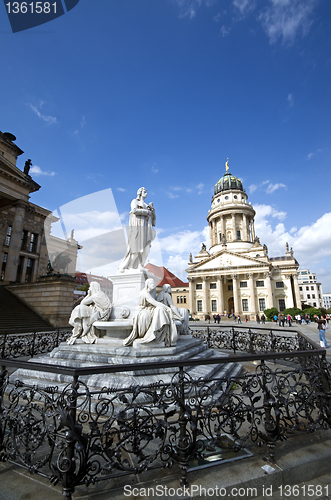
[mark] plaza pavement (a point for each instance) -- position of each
(303, 470)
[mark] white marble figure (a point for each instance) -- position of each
(179, 314)
(96, 306)
(153, 321)
(140, 232)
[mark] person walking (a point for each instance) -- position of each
(239, 319)
(321, 325)
(263, 319)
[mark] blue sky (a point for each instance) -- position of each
(118, 94)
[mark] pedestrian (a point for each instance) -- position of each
(239, 319)
(289, 319)
(246, 319)
(275, 318)
(321, 326)
(258, 319)
(215, 318)
(281, 318)
(218, 318)
(263, 319)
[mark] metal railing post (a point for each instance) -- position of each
(33, 344)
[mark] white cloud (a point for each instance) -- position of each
(188, 8)
(198, 189)
(290, 100)
(48, 119)
(122, 190)
(252, 188)
(224, 31)
(284, 19)
(37, 171)
(172, 196)
(154, 170)
(311, 155)
(273, 187)
(244, 6)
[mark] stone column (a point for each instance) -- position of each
(23, 270)
(289, 302)
(252, 303)
(15, 243)
(296, 291)
(235, 293)
(270, 300)
(234, 234)
(253, 230)
(245, 236)
(191, 295)
(220, 294)
(211, 232)
(204, 295)
(222, 225)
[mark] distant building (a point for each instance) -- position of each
(105, 284)
(236, 274)
(327, 300)
(179, 289)
(310, 289)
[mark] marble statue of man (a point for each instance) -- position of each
(140, 232)
(153, 321)
(96, 306)
(180, 315)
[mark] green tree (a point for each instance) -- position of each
(292, 311)
(270, 313)
(313, 312)
(84, 288)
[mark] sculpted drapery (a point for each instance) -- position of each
(140, 232)
(153, 321)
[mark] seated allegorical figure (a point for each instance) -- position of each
(179, 314)
(96, 306)
(153, 321)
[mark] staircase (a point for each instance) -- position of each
(15, 315)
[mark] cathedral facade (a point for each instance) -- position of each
(237, 275)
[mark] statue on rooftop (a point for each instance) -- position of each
(27, 166)
(140, 232)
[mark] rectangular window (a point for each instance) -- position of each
(29, 270)
(24, 239)
(314, 304)
(307, 287)
(177, 299)
(33, 243)
(230, 287)
(198, 286)
(238, 235)
(8, 236)
(300, 288)
(308, 295)
(279, 284)
(260, 283)
(245, 305)
(312, 288)
(212, 286)
(243, 284)
(199, 305)
(3, 268)
(281, 303)
(184, 299)
(313, 296)
(19, 269)
(214, 305)
(261, 304)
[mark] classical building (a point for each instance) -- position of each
(26, 244)
(310, 289)
(25, 240)
(236, 274)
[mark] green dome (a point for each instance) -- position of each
(227, 183)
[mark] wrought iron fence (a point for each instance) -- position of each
(75, 435)
(14, 344)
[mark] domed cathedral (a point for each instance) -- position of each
(236, 275)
